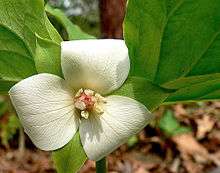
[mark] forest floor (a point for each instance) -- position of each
(153, 151)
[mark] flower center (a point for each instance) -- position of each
(87, 101)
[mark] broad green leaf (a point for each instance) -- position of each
(47, 59)
(25, 18)
(189, 81)
(15, 67)
(144, 91)
(11, 42)
(207, 90)
(196, 25)
(16, 60)
(73, 31)
(71, 157)
(143, 31)
(176, 44)
(52, 31)
(19, 22)
(195, 88)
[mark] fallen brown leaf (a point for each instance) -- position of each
(204, 125)
(189, 146)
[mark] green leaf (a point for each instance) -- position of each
(25, 18)
(176, 44)
(15, 67)
(16, 61)
(3, 106)
(52, 31)
(19, 22)
(182, 130)
(143, 91)
(132, 141)
(9, 129)
(47, 58)
(5, 86)
(71, 157)
(170, 125)
(9, 41)
(45, 1)
(207, 90)
(142, 32)
(73, 31)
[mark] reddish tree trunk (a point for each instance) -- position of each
(112, 14)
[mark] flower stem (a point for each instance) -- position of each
(101, 166)
(21, 144)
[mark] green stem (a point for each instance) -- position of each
(101, 166)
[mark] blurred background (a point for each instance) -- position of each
(184, 138)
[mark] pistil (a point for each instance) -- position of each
(87, 101)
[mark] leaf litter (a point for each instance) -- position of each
(153, 151)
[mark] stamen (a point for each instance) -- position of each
(78, 94)
(98, 108)
(89, 92)
(100, 98)
(85, 114)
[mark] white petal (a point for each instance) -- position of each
(100, 65)
(123, 117)
(45, 107)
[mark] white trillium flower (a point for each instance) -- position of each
(52, 109)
